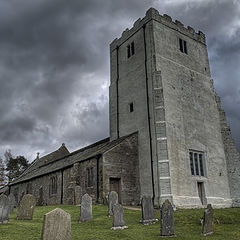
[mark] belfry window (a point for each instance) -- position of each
(197, 163)
(183, 46)
(130, 49)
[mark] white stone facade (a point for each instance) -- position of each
(163, 89)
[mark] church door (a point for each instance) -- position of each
(200, 191)
(115, 185)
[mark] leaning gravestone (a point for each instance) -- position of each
(147, 211)
(167, 219)
(86, 209)
(26, 207)
(56, 225)
(207, 221)
(118, 220)
(112, 199)
(12, 202)
(4, 209)
(78, 195)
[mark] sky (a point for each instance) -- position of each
(54, 65)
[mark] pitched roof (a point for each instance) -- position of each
(67, 161)
(39, 162)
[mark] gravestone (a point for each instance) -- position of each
(112, 199)
(86, 209)
(207, 221)
(167, 219)
(56, 225)
(26, 207)
(118, 220)
(4, 209)
(12, 202)
(78, 195)
(147, 211)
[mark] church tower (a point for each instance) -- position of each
(161, 87)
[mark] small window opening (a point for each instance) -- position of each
(90, 177)
(130, 49)
(183, 46)
(131, 107)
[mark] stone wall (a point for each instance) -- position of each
(171, 119)
(121, 162)
(192, 119)
(232, 156)
(39, 186)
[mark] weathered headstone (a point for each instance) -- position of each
(207, 221)
(26, 207)
(147, 211)
(78, 195)
(4, 209)
(86, 209)
(118, 219)
(56, 225)
(167, 219)
(12, 202)
(112, 199)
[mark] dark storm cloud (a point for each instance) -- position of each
(54, 65)
(55, 71)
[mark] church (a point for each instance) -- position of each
(169, 138)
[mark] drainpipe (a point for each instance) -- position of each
(117, 49)
(61, 186)
(148, 110)
(98, 158)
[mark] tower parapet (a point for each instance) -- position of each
(153, 14)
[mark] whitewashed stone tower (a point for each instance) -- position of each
(161, 87)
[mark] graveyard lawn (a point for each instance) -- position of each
(187, 225)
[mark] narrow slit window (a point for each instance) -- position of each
(132, 48)
(201, 165)
(181, 44)
(191, 162)
(185, 47)
(128, 51)
(131, 107)
(90, 177)
(196, 164)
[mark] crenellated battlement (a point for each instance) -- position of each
(153, 14)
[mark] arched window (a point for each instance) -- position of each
(53, 185)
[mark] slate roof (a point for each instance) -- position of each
(67, 161)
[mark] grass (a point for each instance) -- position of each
(187, 225)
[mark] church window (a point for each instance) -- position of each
(131, 107)
(53, 185)
(197, 163)
(29, 188)
(130, 49)
(90, 177)
(183, 46)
